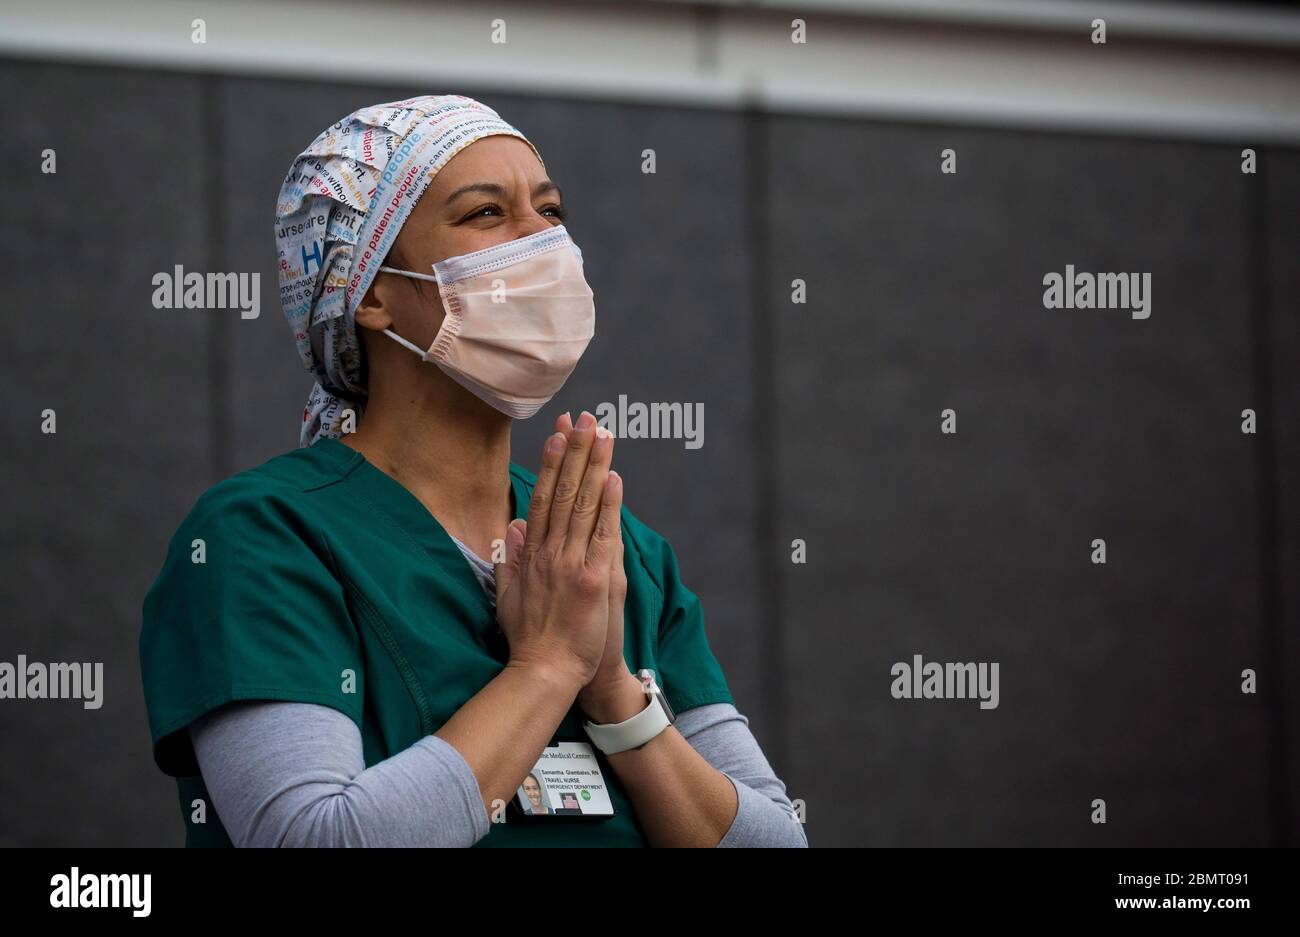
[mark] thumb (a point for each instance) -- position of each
(505, 572)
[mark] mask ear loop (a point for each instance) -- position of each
(389, 332)
(409, 273)
(397, 338)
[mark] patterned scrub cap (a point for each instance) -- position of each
(342, 204)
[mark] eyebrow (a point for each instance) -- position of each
(491, 188)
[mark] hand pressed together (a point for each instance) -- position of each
(561, 589)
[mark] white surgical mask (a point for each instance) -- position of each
(519, 316)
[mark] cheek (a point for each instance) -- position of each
(419, 314)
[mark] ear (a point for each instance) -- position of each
(372, 313)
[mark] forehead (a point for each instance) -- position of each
(497, 158)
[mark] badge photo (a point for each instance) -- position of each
(565, 782)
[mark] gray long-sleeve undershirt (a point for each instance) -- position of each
(293, 774)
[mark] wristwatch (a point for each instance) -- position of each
(614, 737)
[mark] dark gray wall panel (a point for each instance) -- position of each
(1280, 342)
(1119, 682)
(89, 511)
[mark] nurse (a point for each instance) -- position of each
(536, 805)
(378, 638)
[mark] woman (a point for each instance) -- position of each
(532, 789)
(328, 657)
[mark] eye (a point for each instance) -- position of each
(492, 210)
(479, 212)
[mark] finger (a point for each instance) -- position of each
(505, 572)
(586, 507)
(569, 482)
(607, 536)
(617, 577)
(616, 562)
(564, 424)
(539, 506)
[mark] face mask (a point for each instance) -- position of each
(519, 316)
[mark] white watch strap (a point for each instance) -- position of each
(616, 737)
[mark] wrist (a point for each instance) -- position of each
(613, 698)
(563, 678)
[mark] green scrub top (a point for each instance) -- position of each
(317, 578)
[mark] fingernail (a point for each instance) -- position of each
(555, 444)
(568, 416)
(602, 433)
(586, 420)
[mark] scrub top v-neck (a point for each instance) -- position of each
(318, 578)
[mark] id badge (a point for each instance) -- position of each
(565, 782)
